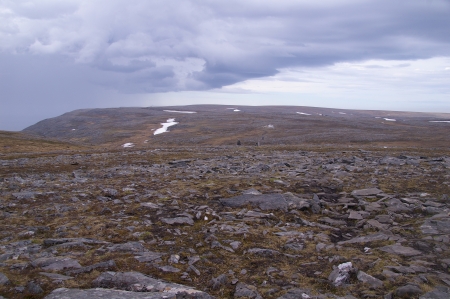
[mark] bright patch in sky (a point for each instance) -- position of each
(372, 84)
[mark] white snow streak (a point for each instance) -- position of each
(175, 111)
(303, 113)
(170, 122)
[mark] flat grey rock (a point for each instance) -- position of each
(400, 250)
(55, 263)
(56, 277)
(100, 293)
(178, 220)
(24, 195)
(128, 247)
(263, 252)
(108, 265)
(138, 282)
(89, 241)
(436, 226)
(149, 256)
(439, 292)
(366, 192)
(264, 201)
(296, 294)
(366, 239)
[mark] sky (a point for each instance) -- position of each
(57, 56)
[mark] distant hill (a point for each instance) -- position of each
(20, 142)
(225, 125)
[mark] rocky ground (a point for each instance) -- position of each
(225, 222)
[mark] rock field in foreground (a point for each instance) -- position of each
(225, 222)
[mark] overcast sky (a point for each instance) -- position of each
(61, 55)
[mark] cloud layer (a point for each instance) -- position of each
(152, 46)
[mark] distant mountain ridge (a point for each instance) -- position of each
(225, 125)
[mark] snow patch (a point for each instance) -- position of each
(128, 144)
(175, 111)
(269, 127)
(303, 113)
(389, 119)
(439, 121)
(342, 113)
(170, 122)
(234, 109)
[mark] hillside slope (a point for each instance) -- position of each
(225, 125)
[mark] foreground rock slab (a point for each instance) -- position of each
(138, 282)
(99, 293)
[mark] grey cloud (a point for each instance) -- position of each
(149, 46)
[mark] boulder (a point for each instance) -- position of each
(370, 280)
(408, 291)
(341, 274)
(439, 292)
(246, 291)
(400, 250)
(3, 279)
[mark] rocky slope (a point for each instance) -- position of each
(226, 222)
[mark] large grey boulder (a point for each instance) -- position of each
(3, 279)
(246, 291)
(369, 279)
(99, 293)
(138, 282)
(341, 274)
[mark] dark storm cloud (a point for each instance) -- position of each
(209, 44)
